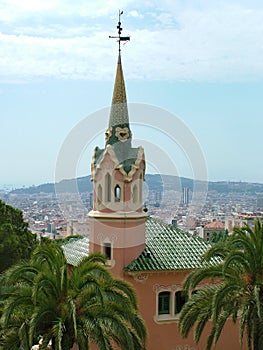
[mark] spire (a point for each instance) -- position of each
(119, 129)
(119, 109)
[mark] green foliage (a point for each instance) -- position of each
(235, 290)
(59, 241)
(216, 236)
(85, 305)
(16, 241)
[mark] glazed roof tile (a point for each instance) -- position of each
(76, 249)
(168, 248)
(119, 110)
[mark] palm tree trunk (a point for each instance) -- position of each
(256, 336)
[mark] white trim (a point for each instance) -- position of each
(110, 262)
(172, 316)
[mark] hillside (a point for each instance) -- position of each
(155, 182)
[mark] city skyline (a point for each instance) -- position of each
(202, 62)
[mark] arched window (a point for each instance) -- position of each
(140, 187)
(107, 250)
(180, 299)
(164, 303)
(135, 194)
(117, 193)
(108, 187)
(99, 194)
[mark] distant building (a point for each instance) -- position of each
(241, 219)
(174, 223)
(186, 196)
(90, 199)
(51, 228)
(214, 226)
(75, 227)
(234, 222)
(260, 201)
(158, 198)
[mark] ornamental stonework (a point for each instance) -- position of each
(122, 134)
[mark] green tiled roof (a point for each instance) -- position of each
(168, 248)
(76, 249)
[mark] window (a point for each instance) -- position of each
(140, 188)
(99, 194)
(180, 299)
(164, 303)
(169, 303)
(108, 187)
(135, 194)
(117, 193)
(107, 250)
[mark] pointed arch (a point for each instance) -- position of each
(135, 194)
(99, 194)
(140, 187)
(117, 193)
(108, 187)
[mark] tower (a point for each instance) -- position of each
(117, 221)
(186, 195)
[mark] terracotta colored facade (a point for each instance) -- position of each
(118, 229)
(163, 332)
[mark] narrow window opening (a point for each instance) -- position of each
(117, 193)
(108, 187)
(180, 299)
(108, 250)
(135, 194)
(99, 194)
(164, 303)
(140, 188)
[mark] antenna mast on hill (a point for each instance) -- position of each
(119, 37)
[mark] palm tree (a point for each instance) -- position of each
(234, 271)
(16, 308)
(43, 297)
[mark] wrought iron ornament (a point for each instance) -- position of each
(119, 37)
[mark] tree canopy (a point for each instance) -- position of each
(216, 236)
(16, 240)
(43, 298)
(235, 289)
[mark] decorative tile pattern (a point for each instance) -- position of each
(167, 248)
(76, 249)
(119, 111)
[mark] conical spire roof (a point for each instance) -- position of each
(119, 129)
(119, 115)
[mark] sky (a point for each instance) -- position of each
(199, 64)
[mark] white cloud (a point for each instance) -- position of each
(15, 10)
(134, 13)
(29, 57)
(197, 42)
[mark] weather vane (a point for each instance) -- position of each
(119, 37)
